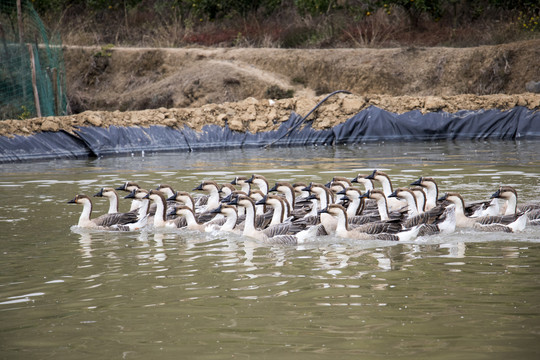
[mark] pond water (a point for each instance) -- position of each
(466, 295)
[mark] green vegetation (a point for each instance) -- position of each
(291, 23)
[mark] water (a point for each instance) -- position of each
(66, 294)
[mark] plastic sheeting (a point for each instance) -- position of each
(372, 124)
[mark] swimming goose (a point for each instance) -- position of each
(129, 186)
(286, 189)
(110, 194)
(414, 217)
(342, 228)
(481, 223)
(212, 200)
(192, 223)
(279, 208)
(160, 220)
(384, 179)
(274, 234)
(432, 191)
(355, 210)
(325, 197)
(420, 196)
(144, 209)
(106, 221)
(509, 194)
(242, 182)
(364, 180)
(231, 219)
(260, 181)
(227, 189)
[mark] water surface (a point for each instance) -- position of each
(75, 294)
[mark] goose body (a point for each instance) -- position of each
(479, 222)
(509, 194)
(342, 228)
(103, 222)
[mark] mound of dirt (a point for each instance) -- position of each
(263, 115)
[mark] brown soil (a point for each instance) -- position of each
(194, 87)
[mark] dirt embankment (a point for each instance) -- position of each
(194, 87)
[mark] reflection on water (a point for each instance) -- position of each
(67, 294)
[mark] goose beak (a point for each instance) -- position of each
(99, 194)
(131, 195)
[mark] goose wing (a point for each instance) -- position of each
(108, 220)
(379, 227)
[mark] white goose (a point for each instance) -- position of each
(384, 179)
(274, 234)
(342, 228)
(507, 223)
(129, 186)
(509, 194)
(106, 221)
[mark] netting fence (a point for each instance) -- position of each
(32, 72)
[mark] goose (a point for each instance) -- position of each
(160, 220)
(355, 210)
(260, 181)
(420, 196)
(274, 234)
(129, 186)
(185, 198)
(481, 223)
(384, 179)
(432, 197)
(191, 222)
(227, 189)
(287, 190)
(103, 222)
(144, 209)
(279, 208)
(364, 180)
(416, 218)
(231, 218)
(112, 195)
(342, 228)
(432, 191)
(509, 194)
(242, 182)
(325, 197)
(212, 200)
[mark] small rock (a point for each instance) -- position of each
(533, 86)
(94, 120)
(352, 105)
(433, 103)
(49, 125)
(236, 125)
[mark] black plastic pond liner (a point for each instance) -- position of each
(40, 146)
(371, 124)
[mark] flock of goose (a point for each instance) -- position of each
(366, 207)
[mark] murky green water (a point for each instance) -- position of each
(66, 295)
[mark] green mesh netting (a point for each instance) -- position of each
(17, 92)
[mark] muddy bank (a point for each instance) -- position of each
(128, 79)
(265, 115)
